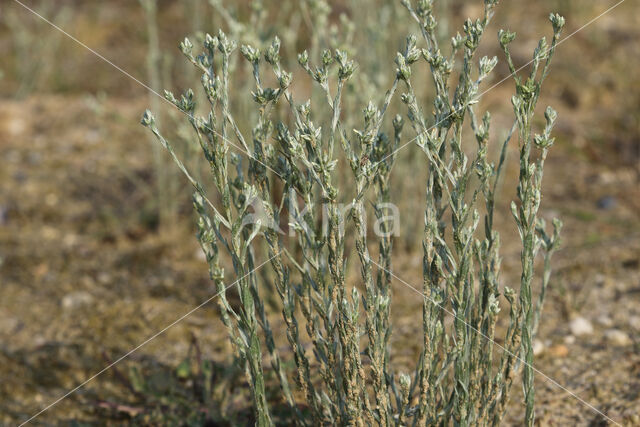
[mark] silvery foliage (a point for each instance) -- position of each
(337, 327)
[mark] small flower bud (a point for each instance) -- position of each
(148, 119)
(327, 58)
(457, 42)
(412, 52)
(303, 58)
(346, 67)
(494, 304)
(250, 53)
(509, 294)
(285, 80)
(341, 57)
(403, 70)
(272, 56)
(186, 46)
(225, 45)
(170, 97)
(370, 111)
(550, 115)
(398, 123)
(557, 21)
(487, 65)
(210, 42)
(505, 37)
(540, 52)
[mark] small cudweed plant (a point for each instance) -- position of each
(338, 334)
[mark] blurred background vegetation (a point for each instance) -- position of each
(96, 233)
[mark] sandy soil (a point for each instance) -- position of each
(85, 275)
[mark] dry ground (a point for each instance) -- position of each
(85, 275)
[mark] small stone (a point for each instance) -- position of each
(538, 347)
(16, 126)
(76, 299)
(39, 341)
(41, 270)
(51, 199)
(606, 202)
(104, 277)
(559, 350)
(605, 321)
(634, 322)
(580, 326)
(92, 136)
(607, 177)
(569, 339)
(69, 240)
(617, 337)
(50, 233)
(8, 325)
